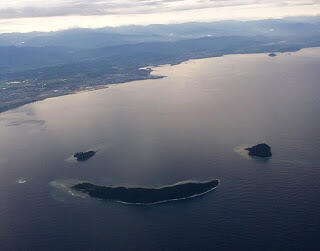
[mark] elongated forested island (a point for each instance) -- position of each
(141, 195)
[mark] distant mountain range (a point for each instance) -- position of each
(35, 66)
(111, 36)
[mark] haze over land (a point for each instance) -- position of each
(38, 65)
(59, 47)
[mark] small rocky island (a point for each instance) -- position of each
(260, 150)
(83, 156)
(141, 195)
(272, 54)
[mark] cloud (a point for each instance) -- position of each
(55, 8)
(51, 15)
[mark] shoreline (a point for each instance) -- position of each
(150, 77)
(131, 195)
(86, 89)
(164, 201)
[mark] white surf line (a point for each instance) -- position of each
(163, 201)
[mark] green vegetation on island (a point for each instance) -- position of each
(140, 195)
(260, 150)
(83, 156)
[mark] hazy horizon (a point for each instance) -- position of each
(298, 19)
(34, 15)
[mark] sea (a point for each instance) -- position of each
(191, 125)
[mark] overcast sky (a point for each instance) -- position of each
(45, 15)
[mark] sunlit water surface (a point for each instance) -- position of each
(191, 125)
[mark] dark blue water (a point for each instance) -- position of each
(188, 126)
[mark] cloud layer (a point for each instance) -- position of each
(46, 8)
(45, 15)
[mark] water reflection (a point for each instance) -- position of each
(187, 126)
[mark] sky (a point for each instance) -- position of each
(51, 15)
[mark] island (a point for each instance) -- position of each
(272, 54)
(142, 195)
(83, 156)
(260, 150)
